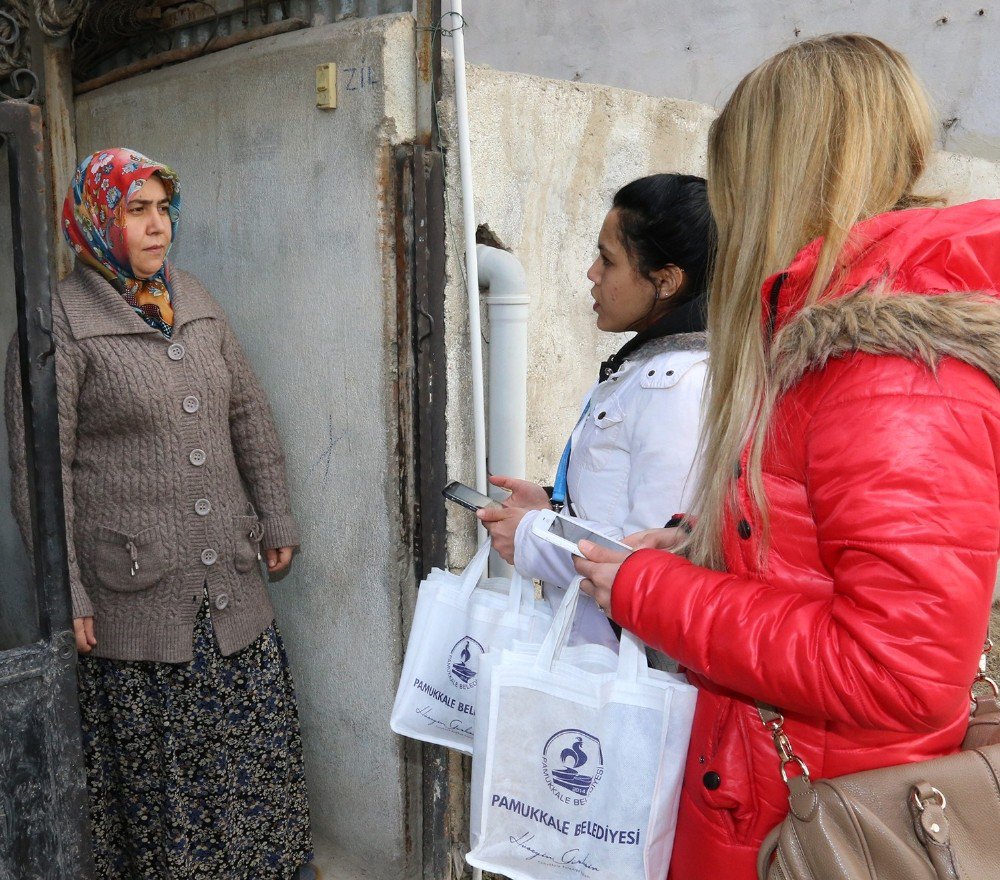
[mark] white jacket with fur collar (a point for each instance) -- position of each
(633, 458)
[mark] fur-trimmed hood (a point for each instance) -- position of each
(965, 326)
(923, 284)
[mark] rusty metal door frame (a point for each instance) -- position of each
(420, 252)
(43, 808)
(420, 229)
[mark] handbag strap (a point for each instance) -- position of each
(983, 678)
(774, 721)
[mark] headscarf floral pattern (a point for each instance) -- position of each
(93, 219)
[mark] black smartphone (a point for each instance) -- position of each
(468, 497)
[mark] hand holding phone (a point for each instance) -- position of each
(523, 493)
(468, 497)
(565, 532)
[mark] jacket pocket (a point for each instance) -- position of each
(247, 535)
(602, 436)
(727, 782)
(126, 563)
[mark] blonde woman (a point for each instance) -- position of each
(847, 528)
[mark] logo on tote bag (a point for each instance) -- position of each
(572, 765)
(463, 663)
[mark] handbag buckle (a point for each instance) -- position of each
(922, 805)
(803, 769)
(774, 721)
(982, 677)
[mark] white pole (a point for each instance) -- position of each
(471, 266)
(507, 303)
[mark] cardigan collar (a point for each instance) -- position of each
(94, 308)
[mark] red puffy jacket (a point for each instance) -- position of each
(866, 620)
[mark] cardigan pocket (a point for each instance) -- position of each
(247, 535)
(127, 563)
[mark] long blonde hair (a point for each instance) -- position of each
(828, 132)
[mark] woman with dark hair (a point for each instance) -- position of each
(629, 464)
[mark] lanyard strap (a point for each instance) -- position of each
(560, 486)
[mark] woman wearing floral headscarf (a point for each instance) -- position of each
(174, 484)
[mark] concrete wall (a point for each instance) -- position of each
(287, 219)
(547, 157)
(699, 51)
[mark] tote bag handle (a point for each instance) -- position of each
(475, 570)
(558, 634)
(473, 574)
(515, 598)
(632, 663)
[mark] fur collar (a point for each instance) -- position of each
(922, 327)
(676, 342)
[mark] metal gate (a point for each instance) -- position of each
(43, 818)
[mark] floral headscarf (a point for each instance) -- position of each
(94, 222)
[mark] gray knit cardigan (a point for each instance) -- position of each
(173, 473)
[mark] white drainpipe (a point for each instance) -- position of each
(471, 267)
(507, 302)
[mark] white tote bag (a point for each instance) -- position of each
(456, 621)
(578, 766)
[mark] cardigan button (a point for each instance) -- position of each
(743, 529)
(209, 556)
(203, 507)
(221, 601)
(711, 780)
(175, 352)
(191, 404)
(197, 457)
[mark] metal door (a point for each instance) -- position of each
(43, 819)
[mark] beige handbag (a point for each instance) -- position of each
(930, 820)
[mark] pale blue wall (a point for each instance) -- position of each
(699, 51)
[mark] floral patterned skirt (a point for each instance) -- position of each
(194, 770)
